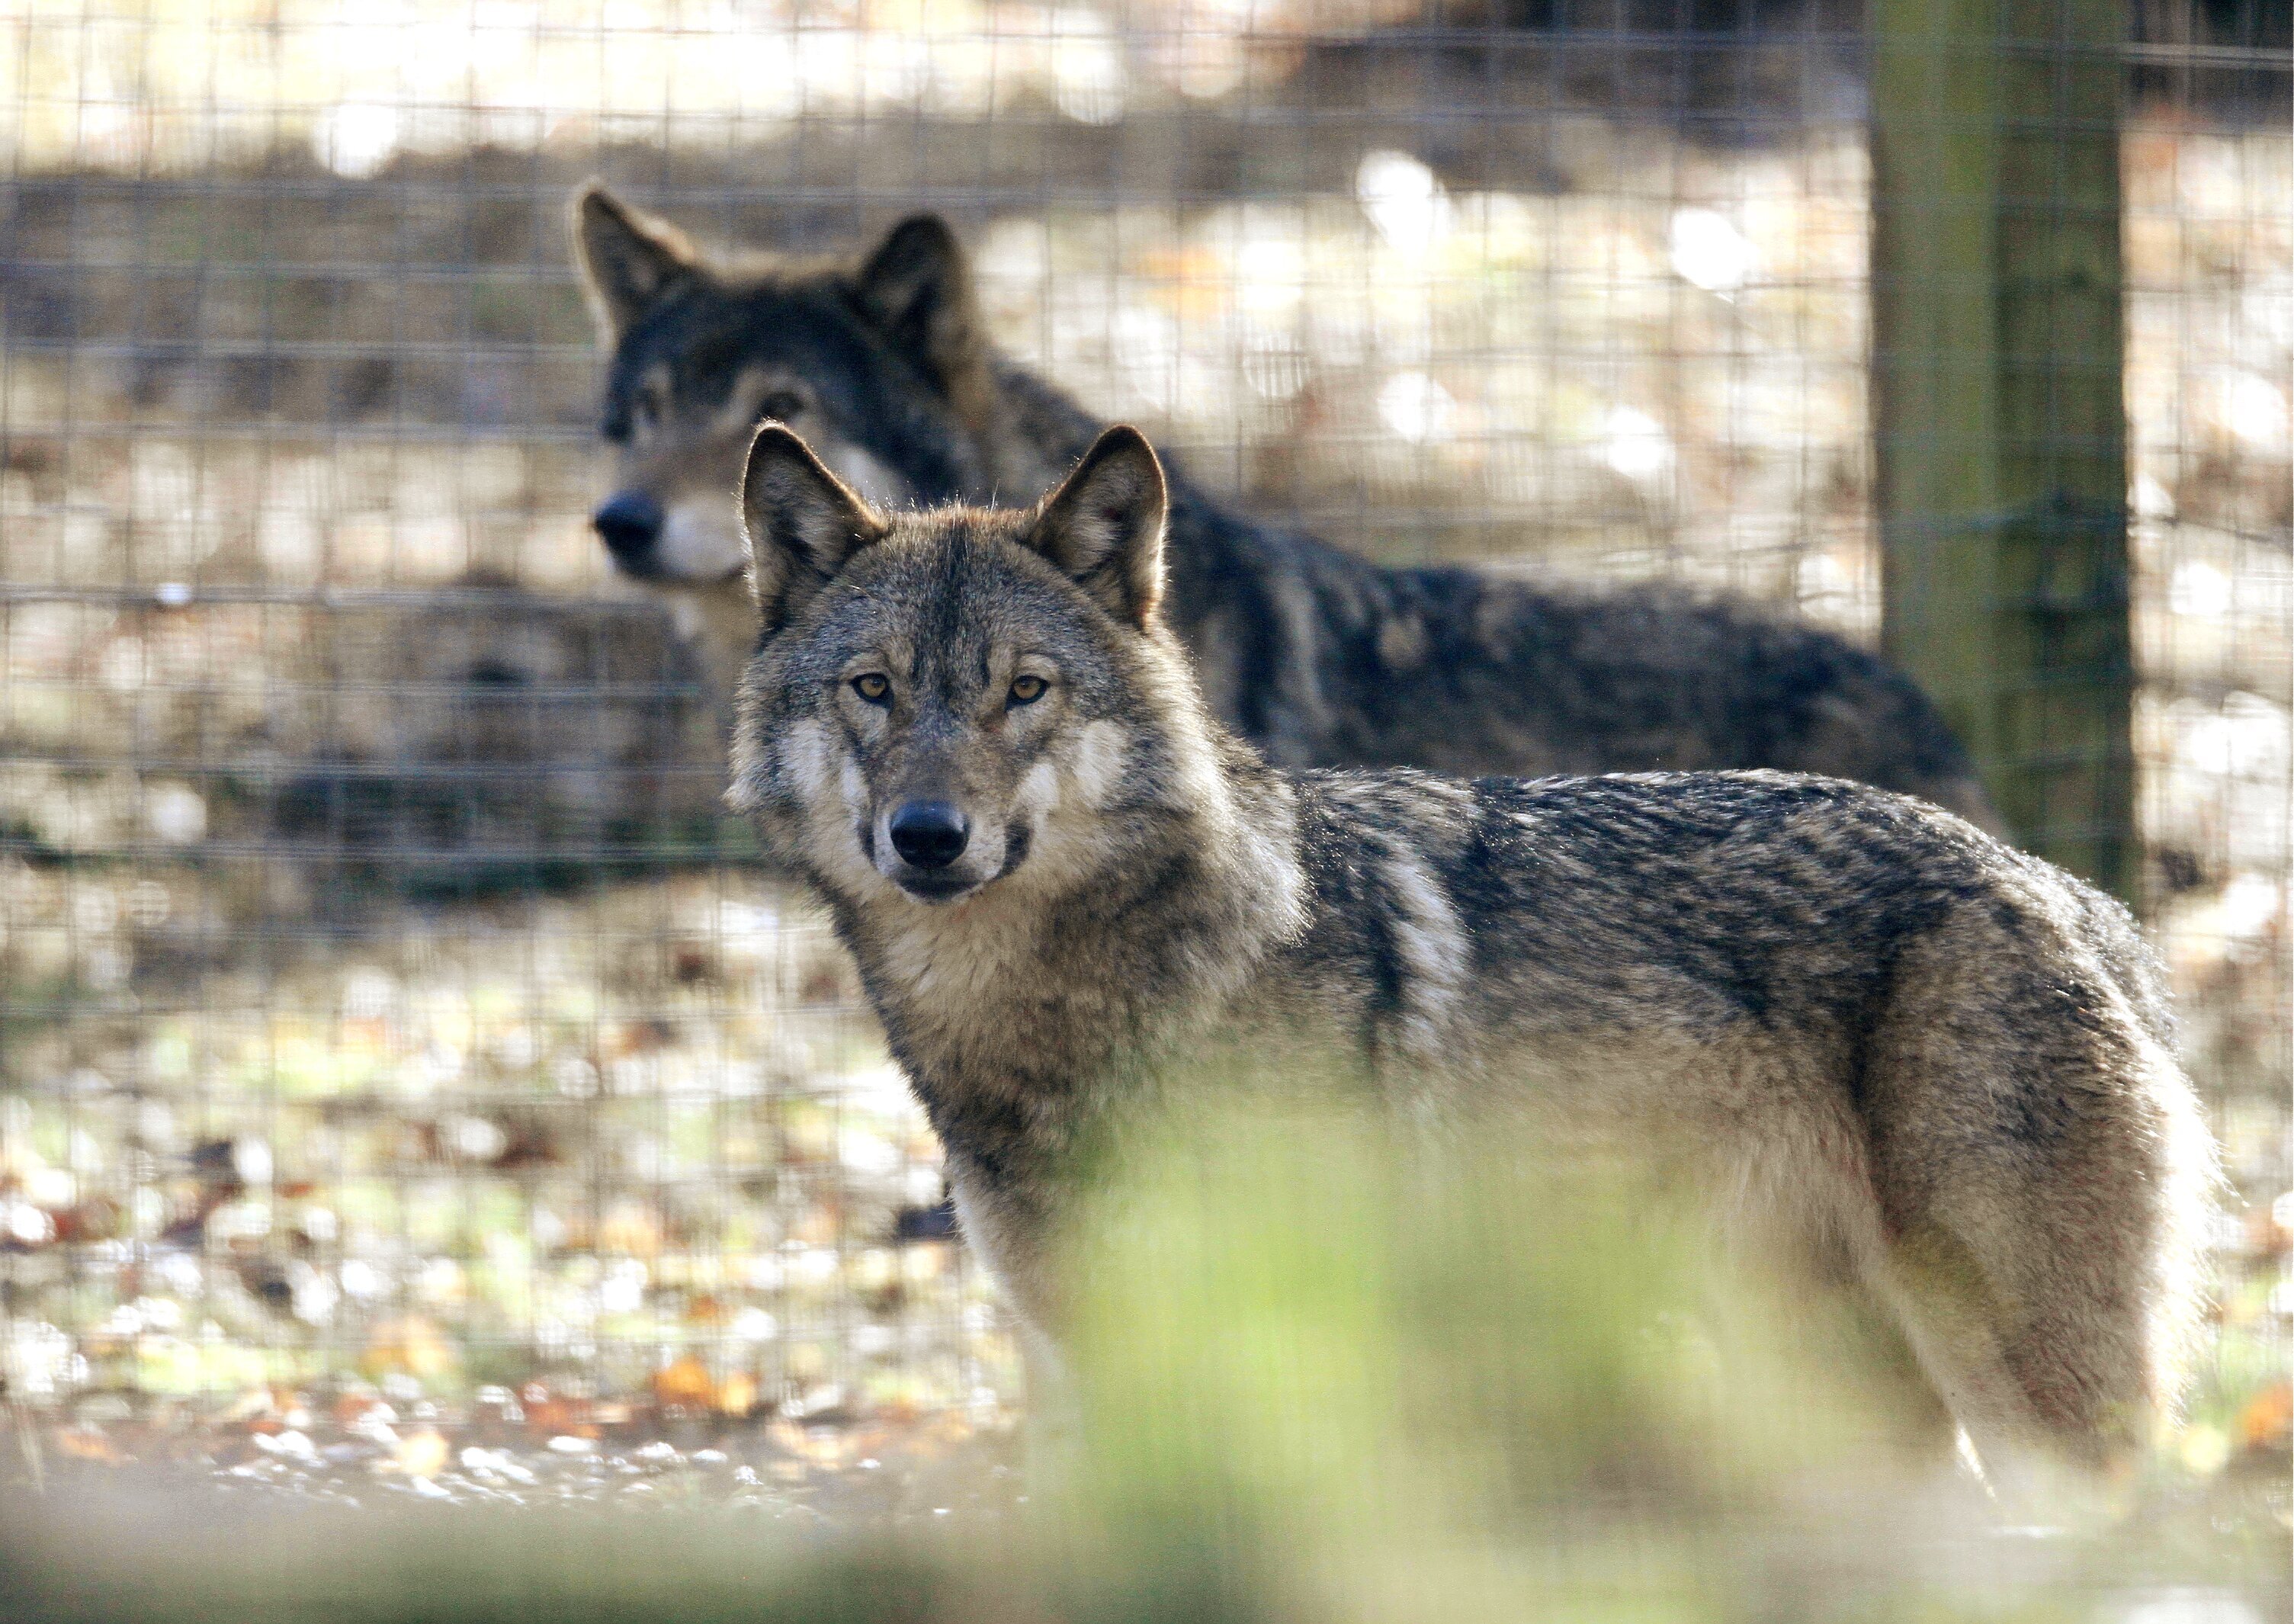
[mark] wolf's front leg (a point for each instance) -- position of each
(1008, 1237)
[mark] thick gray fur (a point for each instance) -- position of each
(1898, 1054)
(1317, 656)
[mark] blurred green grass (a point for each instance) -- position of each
(1323, 1368)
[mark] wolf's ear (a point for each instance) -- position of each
(1104, 526)
(802, 523)
(916, 289)
(627, 257)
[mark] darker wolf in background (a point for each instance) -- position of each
(1316, 656)
(1897, 1056)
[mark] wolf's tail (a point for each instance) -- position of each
(2186, 1173)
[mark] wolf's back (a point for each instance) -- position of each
(1781, 897)
(1325, 659)
(1471, 673)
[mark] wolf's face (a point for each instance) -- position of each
(866, 362)
(948, 701)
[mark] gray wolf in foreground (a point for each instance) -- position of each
(1316, 656)
(1934, 1069)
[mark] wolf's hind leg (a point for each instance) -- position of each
(1799, 1212)
(1957, 1331)
(2049, 1296)
(2044, 1173)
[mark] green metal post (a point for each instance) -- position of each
(1999, 419)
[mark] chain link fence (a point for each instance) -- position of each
(389, 1013)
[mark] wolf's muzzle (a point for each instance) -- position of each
(930, 834)
(630, 523)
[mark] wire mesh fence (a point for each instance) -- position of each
(387, 1001)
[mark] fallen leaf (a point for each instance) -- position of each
(85, 1443)
(686, 1382)
(2268, 1418)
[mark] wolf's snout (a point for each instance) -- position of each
(630, 522)
(930, 834)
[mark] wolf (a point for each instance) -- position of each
(1318, 658)
(1899, 1052)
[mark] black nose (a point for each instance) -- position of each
(630, 524)
(928, 833)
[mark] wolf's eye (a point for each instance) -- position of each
(781, 405)
(1026, 690)
(873, 687)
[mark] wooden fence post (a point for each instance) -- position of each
(1998, 412)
